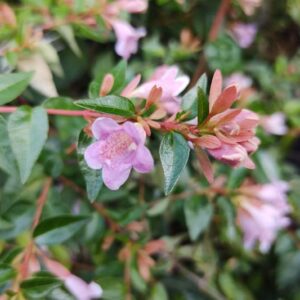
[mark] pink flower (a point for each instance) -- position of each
(77, 287)
(165, 77)
(235, 128)
(244, 34)
(240, 80)
(262, 212)
(118, 149)
(274, 124)
(127, 38)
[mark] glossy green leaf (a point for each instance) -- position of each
(189, 100)
(39, 287)
(93, 178)
(58, 229)
(12, 85)
(28, 130)
(115, 105)
(198, 213)
(202, 105)
(174, 153)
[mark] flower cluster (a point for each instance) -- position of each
(262, 211)
(227, 133)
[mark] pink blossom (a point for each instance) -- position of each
(240, 80)
(235, 128)
(165, 77)
(274, 124)
(244, 34)
(118, 149)
(77, 287)
(262, 212)
(127, 38)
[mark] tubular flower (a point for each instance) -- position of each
(127, 38)
(244, 34)
(165, 77)
(262, 212)
(274, 124)
(234, 128)
(77, 287)
(118, 149)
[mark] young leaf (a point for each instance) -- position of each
(12, 85)
(203, 106)
(93, 178)
(189, 100)
(39, 287)
(115, 105)
(28, 130)
(58, 229)
(198, 212)
(174, 153)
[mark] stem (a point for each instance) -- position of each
(40, 204)
(222, 11)
(58, 112)
(213, 34)
(200, 282)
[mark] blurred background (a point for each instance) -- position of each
(70, 44)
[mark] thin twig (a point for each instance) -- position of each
(29, 249)
(212, 36)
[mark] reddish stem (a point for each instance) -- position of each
(58, 112)
(223, 8)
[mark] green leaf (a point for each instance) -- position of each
(119, 74)
(115, 105)
(174, 153)
(233, 289)
(159, 292)
(6, 273)
(7, 160)
(39, 287)
(189, 100)
(203, 106)
(198, 212)
(28, 130)
(158, 208)
(67, 33)
(58, 229)
(93, 178)
(12, 85)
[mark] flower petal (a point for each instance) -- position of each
(114, 177)
(102, 127)
(143, 162)
(92, 155)
(225, 100)
(215, 88)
